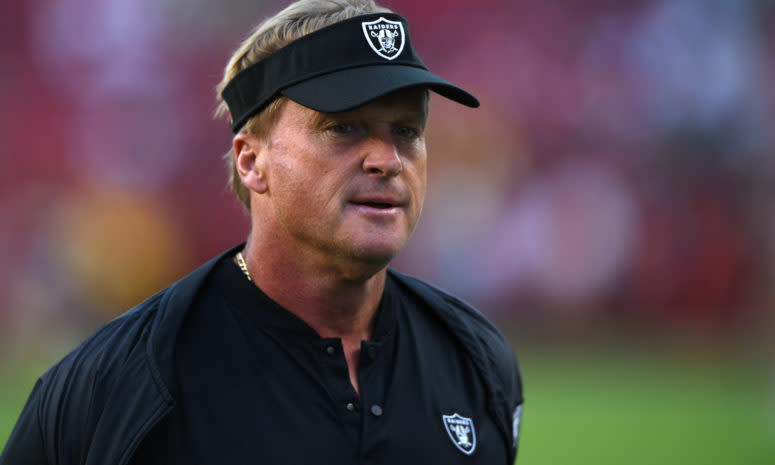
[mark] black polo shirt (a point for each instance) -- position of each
(255, 384)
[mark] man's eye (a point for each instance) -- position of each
(342, 128)
(406, 131)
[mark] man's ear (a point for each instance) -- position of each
(248, 151)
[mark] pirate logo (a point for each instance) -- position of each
(461, 432)
(385, 37)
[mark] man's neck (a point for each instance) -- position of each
(335, 299)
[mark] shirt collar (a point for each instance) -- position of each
(265, 312)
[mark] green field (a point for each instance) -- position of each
(634, 410)
(600, 409)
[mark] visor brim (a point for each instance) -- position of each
(350, 88)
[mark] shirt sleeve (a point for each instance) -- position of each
(516, 400)
(515, 424)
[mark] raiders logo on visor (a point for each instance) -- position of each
(385, 37)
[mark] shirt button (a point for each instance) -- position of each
(350, 406)
(372, 351)
(376, 410)
(330, 350)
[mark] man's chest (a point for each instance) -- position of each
(420, 402)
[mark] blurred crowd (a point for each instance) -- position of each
(621, 170)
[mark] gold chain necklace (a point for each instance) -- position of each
(243, 265)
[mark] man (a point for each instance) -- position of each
(300, 346)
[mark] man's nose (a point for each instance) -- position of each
(382, 157)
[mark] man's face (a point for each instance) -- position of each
(347, 185)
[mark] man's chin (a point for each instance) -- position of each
(377, 257)
(378, 254)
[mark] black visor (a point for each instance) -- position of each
(337, 68)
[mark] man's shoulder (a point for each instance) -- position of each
(122, 362)
(72, 392)
(469, 325)
(101, 356)
(449, 305)
(105, 348)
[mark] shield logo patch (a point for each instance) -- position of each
(461, 431)
(385, 37)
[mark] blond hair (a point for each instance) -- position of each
(297, 20)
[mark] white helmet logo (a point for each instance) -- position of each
(385, 37)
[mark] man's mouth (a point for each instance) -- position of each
(379, 205)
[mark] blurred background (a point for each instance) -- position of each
(610, 206)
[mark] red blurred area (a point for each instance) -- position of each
(620, 169)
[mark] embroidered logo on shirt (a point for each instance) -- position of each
(516, 418)
(385, 37)
(461, 431)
